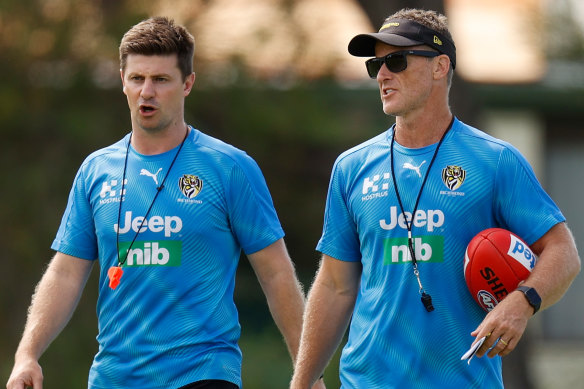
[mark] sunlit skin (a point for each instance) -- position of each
(156, 91)
(416, 96)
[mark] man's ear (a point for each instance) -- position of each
(123, 81)
(442, 66)
(189, 82)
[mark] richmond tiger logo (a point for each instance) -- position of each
(190, 185)
(453, 176)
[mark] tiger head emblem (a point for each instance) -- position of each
(190, 185)
(453, 176)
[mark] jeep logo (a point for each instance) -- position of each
(169, 224)
(429, 219)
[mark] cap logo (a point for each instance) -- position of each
(391, 24)
(437, 40)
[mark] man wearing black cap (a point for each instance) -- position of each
(401, 209)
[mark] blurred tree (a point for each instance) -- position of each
(378, 10)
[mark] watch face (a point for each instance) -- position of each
(532, 297)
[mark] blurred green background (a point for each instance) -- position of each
(60, 99)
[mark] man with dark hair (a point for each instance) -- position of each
(166, 211)
(401, 209)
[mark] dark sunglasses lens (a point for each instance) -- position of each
(396, 63)
(373, 66)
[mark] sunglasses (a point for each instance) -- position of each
(395, 62)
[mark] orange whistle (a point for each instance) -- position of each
(115, 274)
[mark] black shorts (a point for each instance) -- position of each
(210, 384)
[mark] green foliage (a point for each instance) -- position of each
(266, 363)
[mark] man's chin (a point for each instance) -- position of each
(390, 112)
(150, 127)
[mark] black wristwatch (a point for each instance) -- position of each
(532, 297)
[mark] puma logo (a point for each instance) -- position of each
(409, 166)
(145, 172)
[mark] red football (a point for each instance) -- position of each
(495, 262)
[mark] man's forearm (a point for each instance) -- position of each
(326, 319)
(53, 303)
(286, 303)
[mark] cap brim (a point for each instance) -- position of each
(363, 45)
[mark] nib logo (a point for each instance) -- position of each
(160, 253)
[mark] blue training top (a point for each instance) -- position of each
(172, 320)
(476, 182)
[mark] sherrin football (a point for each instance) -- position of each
(495, 262)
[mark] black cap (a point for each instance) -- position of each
(402, 32)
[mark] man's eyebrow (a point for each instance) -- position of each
(156, 75)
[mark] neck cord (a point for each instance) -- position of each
(426, 298)
(158, 190)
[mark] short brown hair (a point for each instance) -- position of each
(159, 36)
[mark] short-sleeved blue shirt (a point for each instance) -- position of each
(476, 182)
(172, 320)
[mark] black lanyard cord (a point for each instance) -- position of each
(426, 298)
(158, 190)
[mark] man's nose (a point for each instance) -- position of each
(148, 90)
